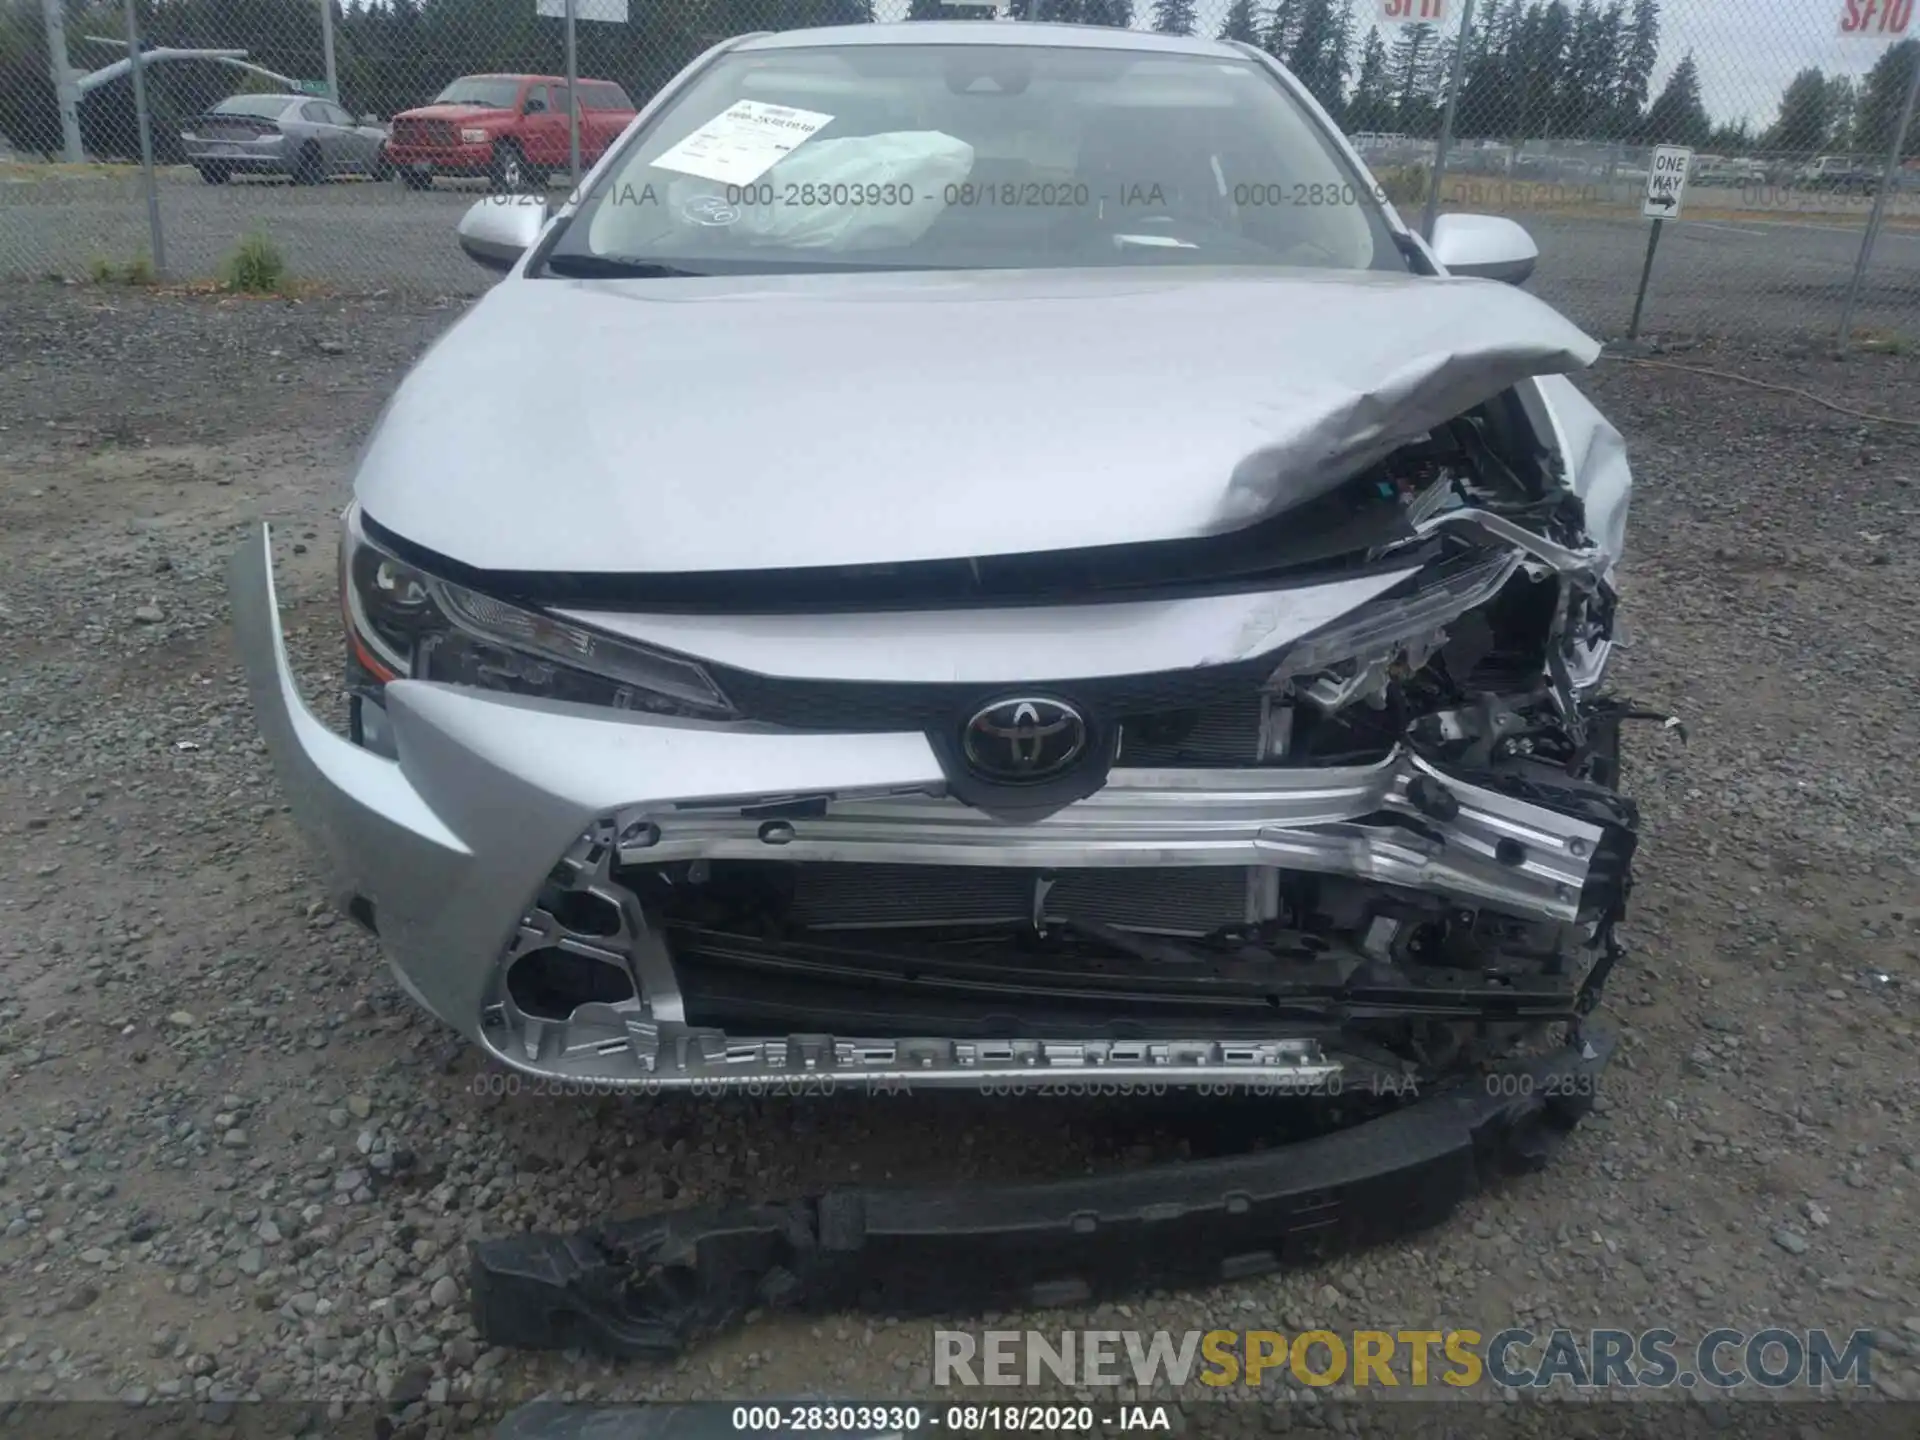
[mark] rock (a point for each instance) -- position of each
(445, 1292)
(234, 1139)
(182, 1020)
(359, 1106)
(149, 615)
(408, 1386)
(1790, 1241)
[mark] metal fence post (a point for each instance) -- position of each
(326, 49)
(53, 12)
(573, 99)
(1446, 122)
(139, 73)
(1887, 177)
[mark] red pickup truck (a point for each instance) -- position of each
(510, 128)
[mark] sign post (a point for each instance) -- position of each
(137, 68)
(326, 50)
(1890, 20)
(573, 11)
(1395, 13)
(1666, 189)
(1446, 121)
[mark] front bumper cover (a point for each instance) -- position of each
(446, 848)
(657, 1285)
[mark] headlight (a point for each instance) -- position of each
(474, 137)
(404, 623)
(1381, 628)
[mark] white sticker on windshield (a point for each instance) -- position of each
(742, 142)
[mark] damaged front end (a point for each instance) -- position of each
(1389, 852)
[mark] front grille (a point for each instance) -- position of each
(423, 132)
(877, 707)
(1225, 734)
(1185, 901)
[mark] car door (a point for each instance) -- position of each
(543, 128)
(324, 133)
(355, 147)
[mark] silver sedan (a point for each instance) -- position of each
(1028, 570)
(306, 139)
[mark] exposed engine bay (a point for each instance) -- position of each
(895, 917)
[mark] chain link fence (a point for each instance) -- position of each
(1555, 108)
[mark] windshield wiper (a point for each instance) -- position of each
(613, 267)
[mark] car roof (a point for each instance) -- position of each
(1029, 33)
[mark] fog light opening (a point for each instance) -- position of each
(550, 984)
(585, 913)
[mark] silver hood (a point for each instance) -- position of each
(768, 422)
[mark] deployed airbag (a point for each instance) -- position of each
(864, 192)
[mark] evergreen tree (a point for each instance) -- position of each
(1886, 92)
(1677, 116)
(1410, 76)
(1318, 53)
(1843, 112)
(1641, 48)
(1173, 17)
(1283, 28)
(1371, 107)
(1588, 80)
(1242, 23)
(1806, 114)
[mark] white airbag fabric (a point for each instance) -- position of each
(918, 164)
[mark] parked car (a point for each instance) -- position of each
(304, 138)
(1204, 691)
(1839, 172)
(512, 129)
(1729, 174)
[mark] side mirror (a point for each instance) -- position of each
(535, 107)
(1487, 247)
(497, 231)
(369, 119)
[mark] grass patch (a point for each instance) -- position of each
(1881, 342)
(256, 267)
(138, 271)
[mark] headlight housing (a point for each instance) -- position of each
(404, 623)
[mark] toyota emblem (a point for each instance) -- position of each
(1024, 740)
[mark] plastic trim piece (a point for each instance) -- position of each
(653, 1287)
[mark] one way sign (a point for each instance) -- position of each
(1666, 182)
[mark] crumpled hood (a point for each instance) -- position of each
(769, 422)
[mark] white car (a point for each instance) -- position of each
(980, 554)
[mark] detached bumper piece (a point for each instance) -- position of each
(654, 1287)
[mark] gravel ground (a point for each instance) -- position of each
(234, 1162)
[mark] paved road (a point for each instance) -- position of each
(1745, 277)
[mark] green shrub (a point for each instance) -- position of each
(256, 267)
(1404, 184)
(135, 272)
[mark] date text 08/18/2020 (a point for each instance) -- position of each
(851, 1420)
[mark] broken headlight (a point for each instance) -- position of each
(1346, 658)
(404, 623)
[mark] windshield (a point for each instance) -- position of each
(264, 105)
(969, 156)
(493, 93)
